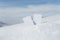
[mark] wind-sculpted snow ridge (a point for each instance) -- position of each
(42, 30)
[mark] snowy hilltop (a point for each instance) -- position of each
(35, 27)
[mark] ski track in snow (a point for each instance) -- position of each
(43, 30)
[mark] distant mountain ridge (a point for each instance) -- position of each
(2, 24)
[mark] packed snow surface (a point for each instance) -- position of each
(47, 28)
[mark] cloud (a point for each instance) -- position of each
(14, 13)
(43, 9)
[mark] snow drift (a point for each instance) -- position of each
(42, 30)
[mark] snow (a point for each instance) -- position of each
(48, 30)
(37, 18)
(28, 20)
(53, 19)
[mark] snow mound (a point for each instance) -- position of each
(34, 19)
(29, 31)
(37, 18)
(28, 20)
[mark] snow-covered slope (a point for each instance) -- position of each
(53, 19)
(28, 31)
